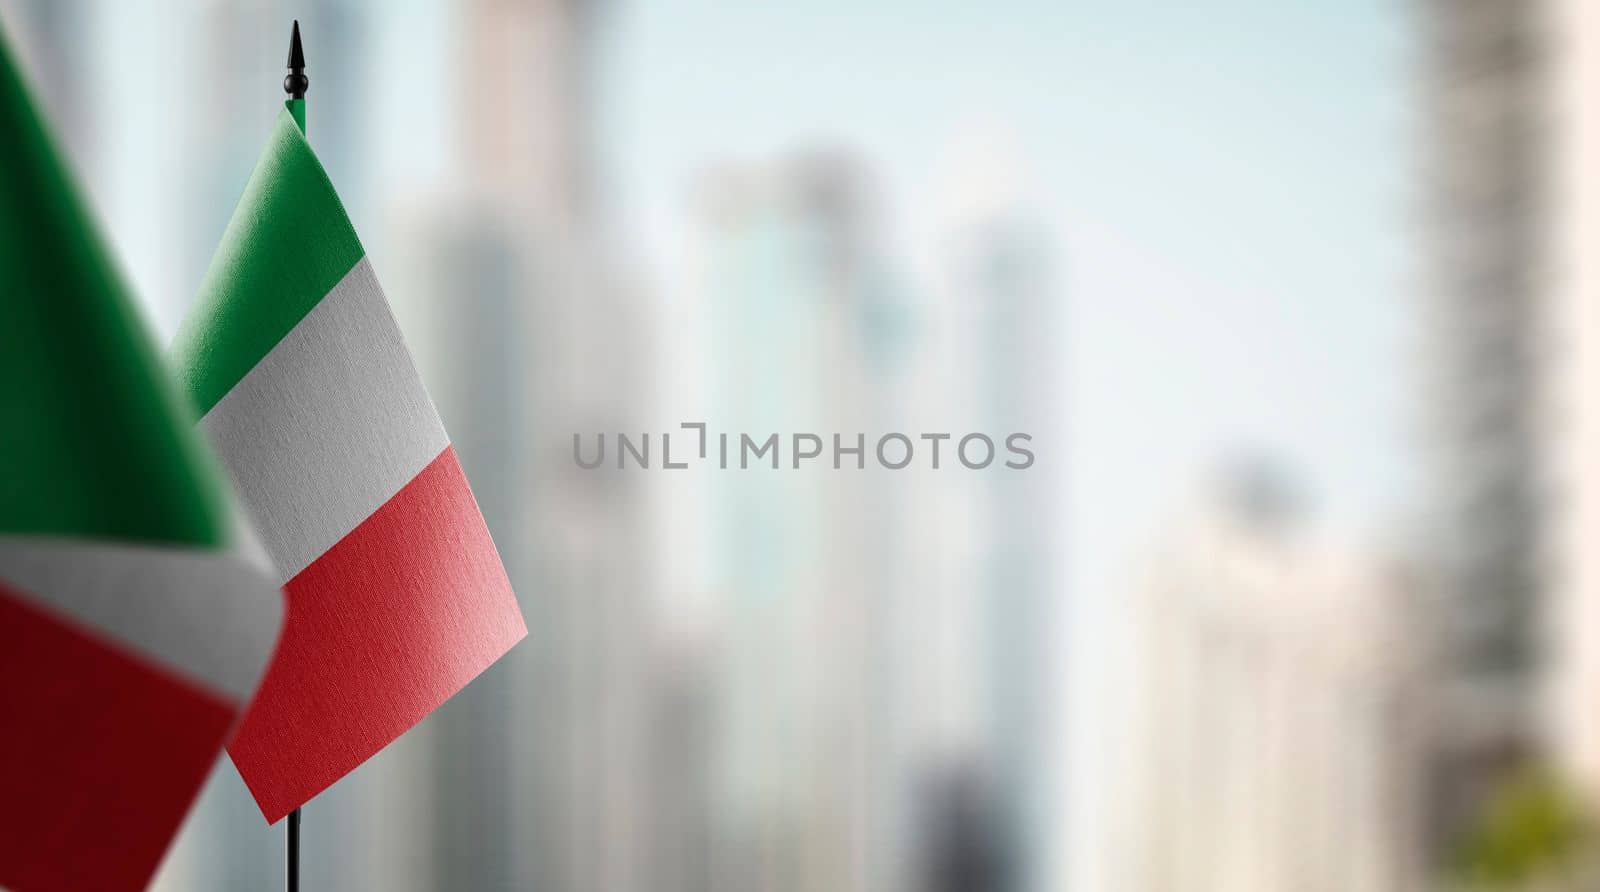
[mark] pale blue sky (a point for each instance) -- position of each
(1227, 182)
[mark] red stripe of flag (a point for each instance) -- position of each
(380, 630)
(101, 753)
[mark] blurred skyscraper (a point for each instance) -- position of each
(1485, 273)
(540, 781)
(1277, 709)
(801, 321)
(1571, 425)
(979, 656)
(1003, 283)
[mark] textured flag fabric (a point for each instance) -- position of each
(396, 595)
(132, 631)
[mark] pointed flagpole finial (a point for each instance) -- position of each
(297, 82)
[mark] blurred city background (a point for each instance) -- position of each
(1293, 298)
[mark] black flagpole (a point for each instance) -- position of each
(295, 85)
(294, 851)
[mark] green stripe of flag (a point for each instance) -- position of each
(94, 440)
(289, 243)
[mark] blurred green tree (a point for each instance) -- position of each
(1534, 834)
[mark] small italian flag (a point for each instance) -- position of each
(132, 632)
(396, 595)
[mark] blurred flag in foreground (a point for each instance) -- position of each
(396, 596)
(131, 632)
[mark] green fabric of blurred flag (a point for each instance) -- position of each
(133, 628)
